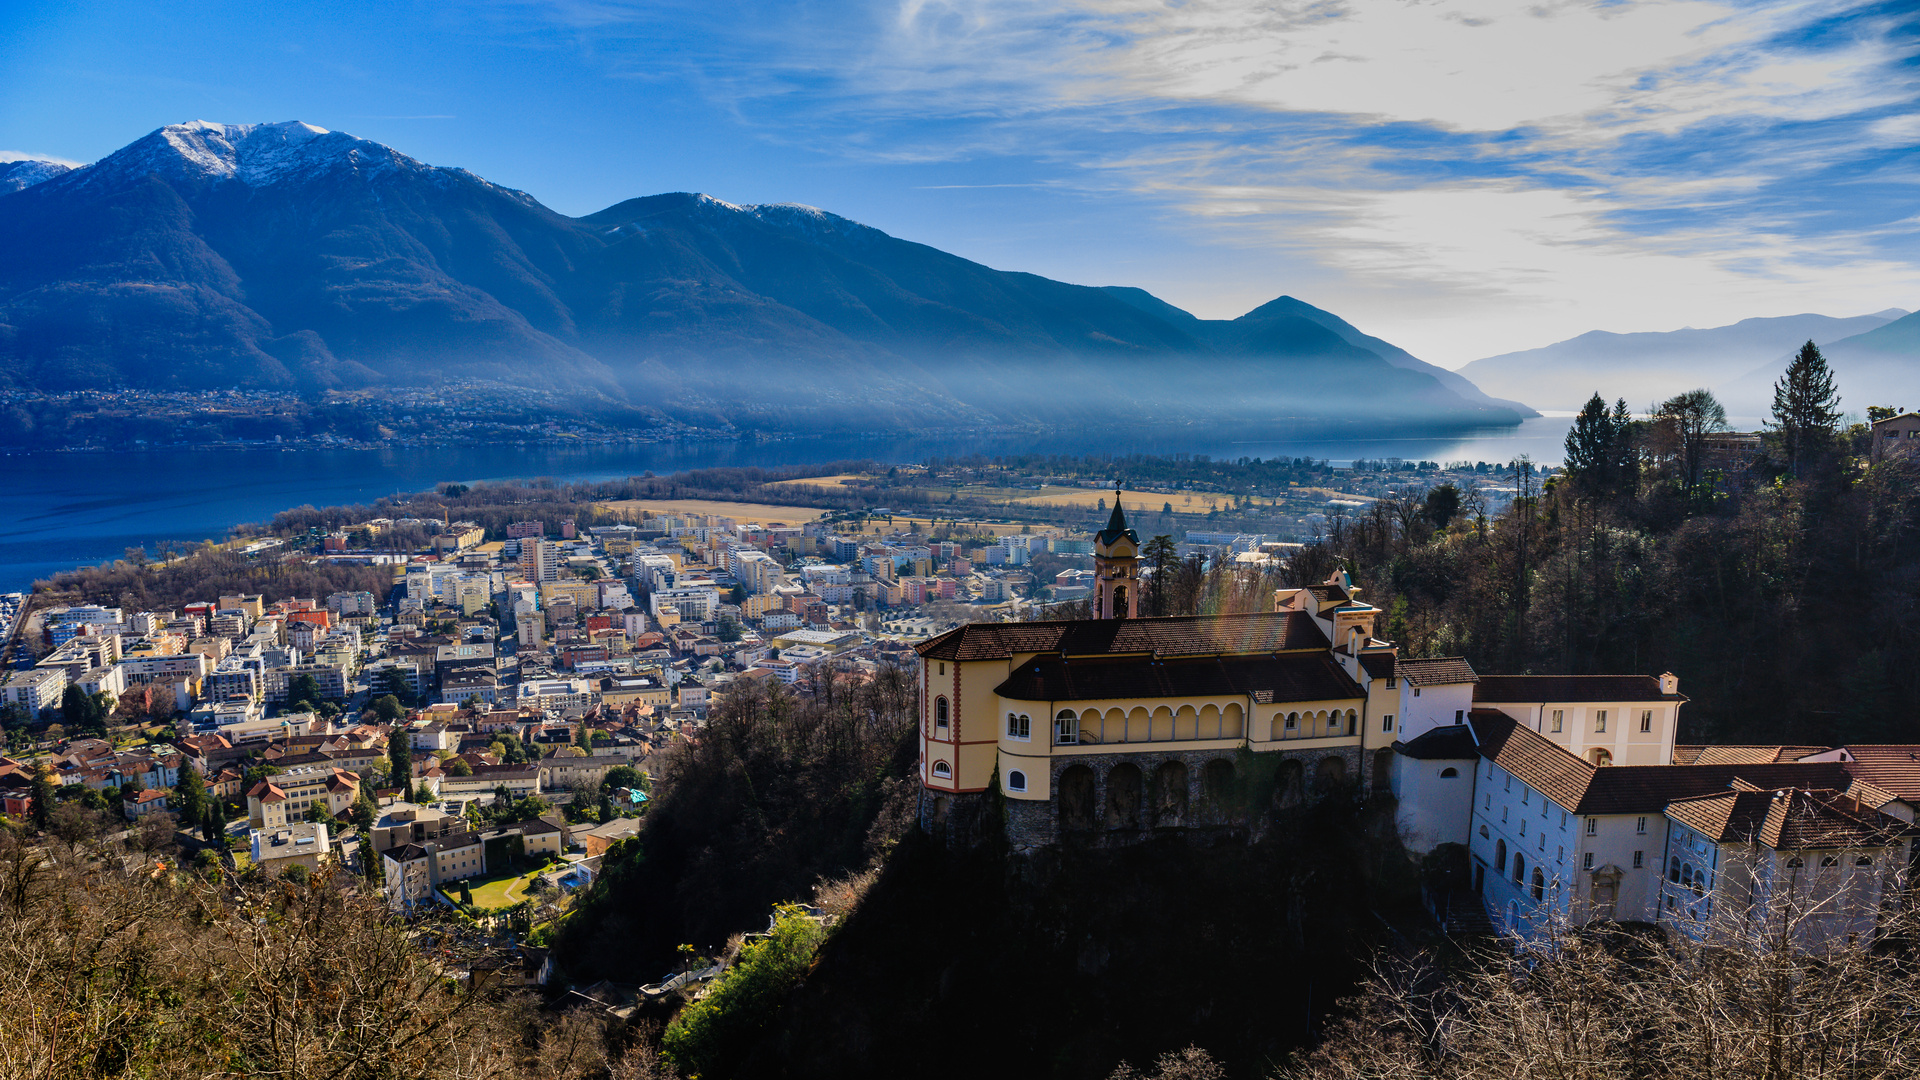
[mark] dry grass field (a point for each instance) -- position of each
(829, 482)
(738, 511)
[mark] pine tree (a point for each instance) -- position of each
(42, 797)
(1600, 447)
(399, 758)
(1806, 407)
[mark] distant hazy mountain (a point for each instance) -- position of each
(15, 175)
(1879, 367)
(1649, 367)
(285, 255)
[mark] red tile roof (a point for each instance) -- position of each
(1437, 671)
(1891, 767)
(1541, 688)
(1626, 789)
(1741, 755)
(1191, 635)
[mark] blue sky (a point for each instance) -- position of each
(1461, 178)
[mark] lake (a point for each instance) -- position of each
(78, 509)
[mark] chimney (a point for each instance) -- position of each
(1669, 683)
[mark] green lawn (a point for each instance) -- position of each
(499, 890)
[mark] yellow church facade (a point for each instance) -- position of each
(1123, 723)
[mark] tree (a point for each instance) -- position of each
(620, 776)
(423, 794)
(399, 758)
(458, 767)
(304, 690)
(388, 709)
(1442, 505)
(1599, 457)
(1806, 407)
(191, 795)
(42, 796)
(1684, 421)
(729, 630)
(1162, 557)
(80, 712)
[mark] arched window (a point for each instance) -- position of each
(1539, 884)
(1600, 756)
(1016, 781)
(1699, 881)
(1519, 868)
(1500, 856)
(942, 770)
(1795, 863)
(1673, 870)
(1066, 728)
(1333, 723)
(1864, 860)
(1019, 726)
(1483, 832)
(1293, 721)
(1829, 860)
(940, 716)
(1449, 773)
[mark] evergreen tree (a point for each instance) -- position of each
(191, 792)
(1600, 447)
(1161, 557)
(42, 796)
(399, 758)
(1806, 407)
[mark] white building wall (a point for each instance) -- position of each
(1421, 709)
(1433, 807)
(1577, 727)
(1509, 815)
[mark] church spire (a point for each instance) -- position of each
(1116, 567)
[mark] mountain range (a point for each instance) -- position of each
(1872, 355)
(288, 256)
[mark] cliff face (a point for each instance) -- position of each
(1068, 962)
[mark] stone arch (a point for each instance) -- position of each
(1137, 729)
(1336, 723)
(1170, 794)
(1383, 770)
(1329, 773)
(1290, 786)
(1113, 726)
(1186, 723)
(1216, 787)
(1123, 796)
(1162, 724)
(1234, 721)
(1209, 721)
(1076, 798)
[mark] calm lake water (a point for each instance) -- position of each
(78, 509)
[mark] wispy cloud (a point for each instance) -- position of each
(22, 155)
(1451, 158)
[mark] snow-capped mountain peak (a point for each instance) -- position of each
(18, 175)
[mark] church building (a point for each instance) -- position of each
(1565, 795)
(1120, 724)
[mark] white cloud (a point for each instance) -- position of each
(21, 155)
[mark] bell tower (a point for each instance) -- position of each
(1116, 568)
